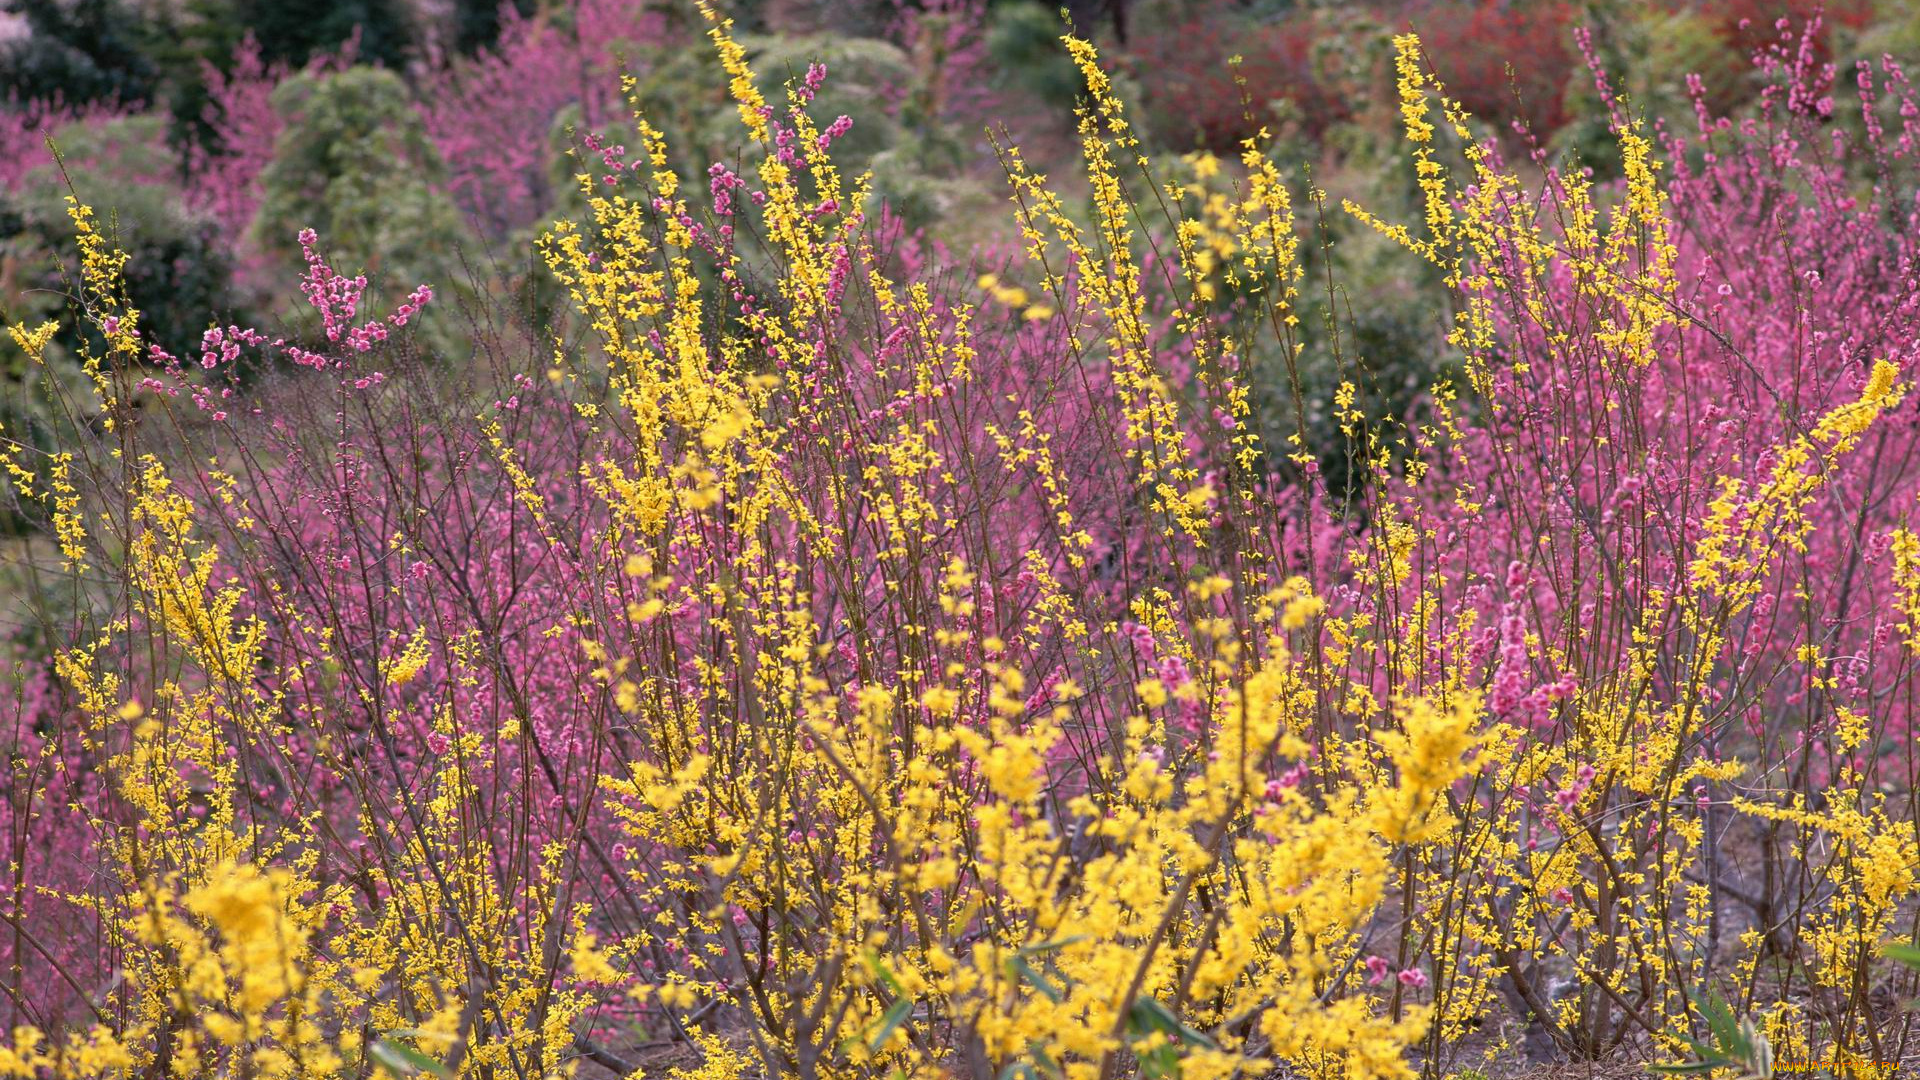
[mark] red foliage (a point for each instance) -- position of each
(1187, 81)
(1505, 62)
(1488, 48)
(1748, 26)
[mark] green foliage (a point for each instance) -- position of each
(567, 158)
(1734, 1043)
(534, 288)
(907, 179)
(862, 74)
(1023, 42)
(675, 96)
(1904, 952)
(399, 1059)
(79, 51)
(29, 408)
(294, 31)
(914, 155)
(1896, 35)
(476, 23)
(1648, 56)
(861, 18)
(178, 273)
(179, 268)
(354, 164)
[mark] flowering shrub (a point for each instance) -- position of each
(789, 658)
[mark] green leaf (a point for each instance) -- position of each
(1050, 946)
(1018, 968)
(1150, 1015)
(896, 1015)
(1905, 952)
(403, 1060)
(1161, 1061)
(1724, 1026)
(887, 978)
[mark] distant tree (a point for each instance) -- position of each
(1086, 16)
(295, 31)
(197, 44)
(476, 23)
(179, 267)
(178, 274)
(79, 51)
(353, 162)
